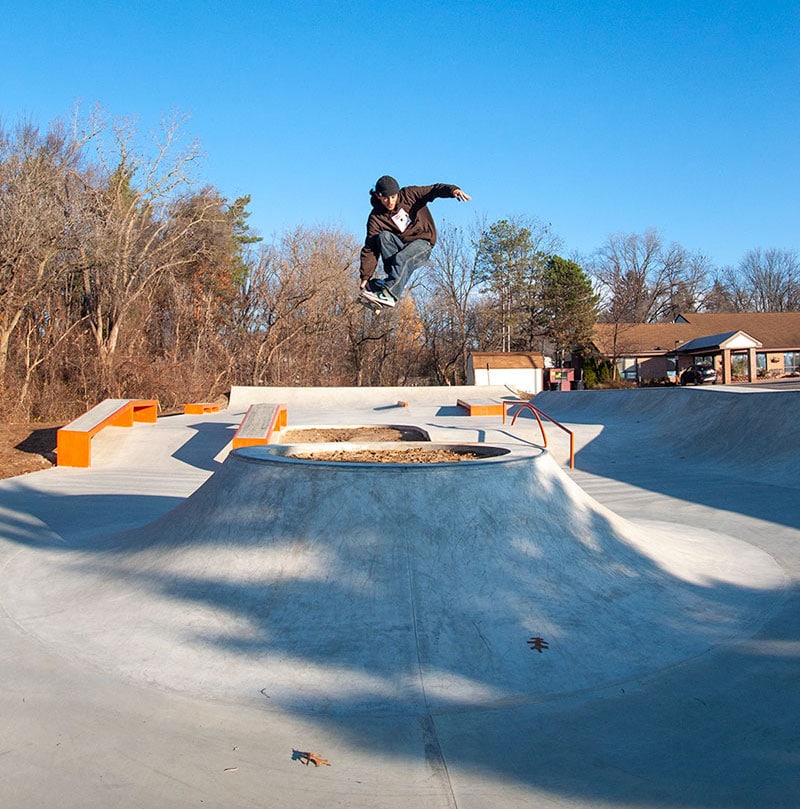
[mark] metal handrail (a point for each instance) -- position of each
(538, 414)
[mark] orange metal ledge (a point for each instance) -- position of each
(481, 408)
(278, 421)
(74, 441)
(198, 408)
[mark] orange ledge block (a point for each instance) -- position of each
(481, 408)
(74, 441)
(198, 408)
(255, 430)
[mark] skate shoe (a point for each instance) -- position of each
(381, 296)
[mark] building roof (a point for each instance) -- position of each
(775, 331)
(507, 359)
(772, 329)
(728, 339)
(639, 339)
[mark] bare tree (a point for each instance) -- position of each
(36, 171)
(292, 303)
(765, 281)
(446, 302)
(134, 226)
(642, 280)
(720, 297)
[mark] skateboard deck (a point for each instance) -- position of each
(375, 308)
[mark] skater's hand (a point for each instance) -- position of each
(461, 196)
(364, 282)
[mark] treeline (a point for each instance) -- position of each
(642, 279)
(121, 274)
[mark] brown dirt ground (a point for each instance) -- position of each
(26, 448)
(30, 447)
(374, 455)
(355, 434)
(414, 455)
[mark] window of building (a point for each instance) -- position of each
(739, 366)
(628, 370)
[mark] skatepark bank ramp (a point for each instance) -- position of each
(747, 432)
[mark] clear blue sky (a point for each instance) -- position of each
(599, 117)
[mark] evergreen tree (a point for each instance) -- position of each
(568, 305)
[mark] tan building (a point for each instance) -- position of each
(744, 347)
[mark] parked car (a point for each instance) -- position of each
(697, 374)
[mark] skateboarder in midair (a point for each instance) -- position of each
(401, 232)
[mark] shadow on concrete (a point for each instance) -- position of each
(717, 729)
(87, 520)
(210, 438)
(448, 411)
(660, 736)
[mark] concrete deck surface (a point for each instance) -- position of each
(178, 624)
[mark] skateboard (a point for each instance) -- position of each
(374, 307)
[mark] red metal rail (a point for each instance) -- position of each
(522, 405)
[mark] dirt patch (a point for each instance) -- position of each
(26, 448)
(312, 435)
(412, 455)
(364, 435)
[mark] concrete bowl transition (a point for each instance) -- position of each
(392, 588)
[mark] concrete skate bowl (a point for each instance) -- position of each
(352, 588)
(752, 434)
